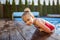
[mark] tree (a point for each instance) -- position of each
(26, 4)
(13, 6)
(32, 6)
(44, 9)
(9, 12)
(13, 9)
(57, 7)
(40, 8)
(7, 9)
(53, 8)
(49, 11)
(20, 5)
(0, 10)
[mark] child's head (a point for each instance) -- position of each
(27, 10)
(28, 17)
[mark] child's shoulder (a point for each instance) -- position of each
(39, 18)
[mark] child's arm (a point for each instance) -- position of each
(49, 25)
(43, 26)
(48, 22)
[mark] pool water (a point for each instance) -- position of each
(55, 21)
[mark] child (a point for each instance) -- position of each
(39, 23)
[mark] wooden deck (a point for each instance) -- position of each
(19, 31)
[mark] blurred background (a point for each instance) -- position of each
(46, 9)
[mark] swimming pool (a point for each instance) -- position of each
(55, 21)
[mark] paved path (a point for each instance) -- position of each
(13, 30)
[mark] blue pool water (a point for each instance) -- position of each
(55, 21)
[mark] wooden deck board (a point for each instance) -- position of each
(37, 35)
(19, 31)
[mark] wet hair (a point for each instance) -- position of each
(27, 12)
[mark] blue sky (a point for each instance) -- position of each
(35, 1)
